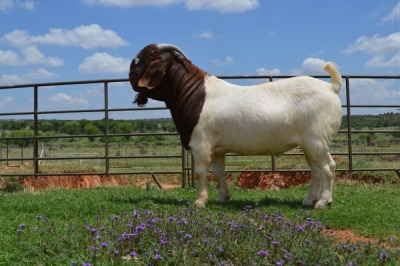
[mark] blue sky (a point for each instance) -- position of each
(46, 41)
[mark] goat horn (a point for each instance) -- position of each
(172, 48)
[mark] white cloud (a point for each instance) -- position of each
(6, 100)
(87, 37)
(104, 63)
(132, 3)
(6, 5)
(64, 99)
(28, 5)
(393, 15)
(8, 80)
(221, 63)
(9, 58)
(384, 50)
(313, 66)
(266, 72)
(224, 6)
(30, 77)
(310, 66)
(205, 35)
(375, 45)
(29, 56)
(373, 91)
(40, 74)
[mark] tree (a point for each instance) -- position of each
(71, 128)
(46, 126)
(23, 137)
(91, 130)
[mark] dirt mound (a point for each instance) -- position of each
(269, 180)
(81, 181)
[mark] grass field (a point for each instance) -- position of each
(90, 227)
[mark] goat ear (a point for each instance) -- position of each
(154, 73)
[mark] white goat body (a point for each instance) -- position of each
(269, 118)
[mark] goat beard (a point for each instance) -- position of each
(141, 98)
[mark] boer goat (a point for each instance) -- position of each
(214, 117)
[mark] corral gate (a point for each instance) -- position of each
(36, 159)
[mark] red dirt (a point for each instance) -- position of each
(274, 181)
(348, 236)
(82, 181)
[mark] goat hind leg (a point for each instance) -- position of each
(218, 170)
(328, 172)
(315, 187)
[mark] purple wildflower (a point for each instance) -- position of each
(301, 262)
(299, 228)
(133, 254)
(158, 257)
(220, 249)
(164, 241)
(105, 244)
(276, 242)
(263, 253)
(94, 248)
(140, 228)
(86, 264)
(383, 256)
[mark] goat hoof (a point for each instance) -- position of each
(308, 203)
(223, 199)
(200, 204)
(322, 204)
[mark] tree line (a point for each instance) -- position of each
(24, 128)
(372, 121)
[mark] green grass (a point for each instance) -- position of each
(369, 210)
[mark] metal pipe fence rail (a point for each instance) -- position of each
(186, 169)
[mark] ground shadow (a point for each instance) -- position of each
(232, 204)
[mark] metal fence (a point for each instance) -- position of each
(185, 169)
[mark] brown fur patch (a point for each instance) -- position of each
(181, 87)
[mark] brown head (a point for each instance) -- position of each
(164, 73)
(148, 69)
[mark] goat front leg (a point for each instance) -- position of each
(218, 171)
(201, 168)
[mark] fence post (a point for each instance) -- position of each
(349, 140)
(183, 167)
(106, 131)
(35, 131)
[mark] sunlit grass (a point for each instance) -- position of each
(60, 227)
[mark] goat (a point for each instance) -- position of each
(214, 117)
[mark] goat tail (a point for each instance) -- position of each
(336, 78)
